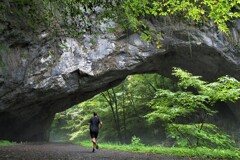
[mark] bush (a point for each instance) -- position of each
(136, 141)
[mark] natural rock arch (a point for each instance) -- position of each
(41, 74)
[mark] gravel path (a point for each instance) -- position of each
(66, 151)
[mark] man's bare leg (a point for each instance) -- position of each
(94, 143)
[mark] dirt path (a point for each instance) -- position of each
(66, 151)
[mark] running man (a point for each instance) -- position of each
(94, 125)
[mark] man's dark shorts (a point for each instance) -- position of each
(93, 134)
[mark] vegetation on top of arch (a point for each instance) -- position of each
(195, 11)
(129, 13)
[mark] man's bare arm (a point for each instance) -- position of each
(100, 125)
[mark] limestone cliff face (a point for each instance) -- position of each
(41, 74)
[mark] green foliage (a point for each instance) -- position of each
(168, 105)
(199, 135)
(199, 152)
(186, 79)
(173, 107)
(136, 141)
(6, 143)
(73, 17)
(80, 16)
(121, 109)
(73, 123)
(225, 89)
(220, 12)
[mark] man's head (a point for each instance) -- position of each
(95, 113)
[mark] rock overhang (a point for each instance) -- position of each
(51, 74)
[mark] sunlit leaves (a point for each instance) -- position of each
(224, 89)
(169, 106)
(186, 79)
(130, 97)
(199, 134)
(220, 12)
(78, 16)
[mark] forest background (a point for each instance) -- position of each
(152, 109)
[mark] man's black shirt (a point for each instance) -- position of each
(94, 124)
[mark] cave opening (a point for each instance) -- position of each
(123, 110)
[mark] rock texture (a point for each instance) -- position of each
(41, 73)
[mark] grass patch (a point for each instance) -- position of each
(198, 152)
(6, 143)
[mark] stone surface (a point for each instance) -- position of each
(42, 74)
